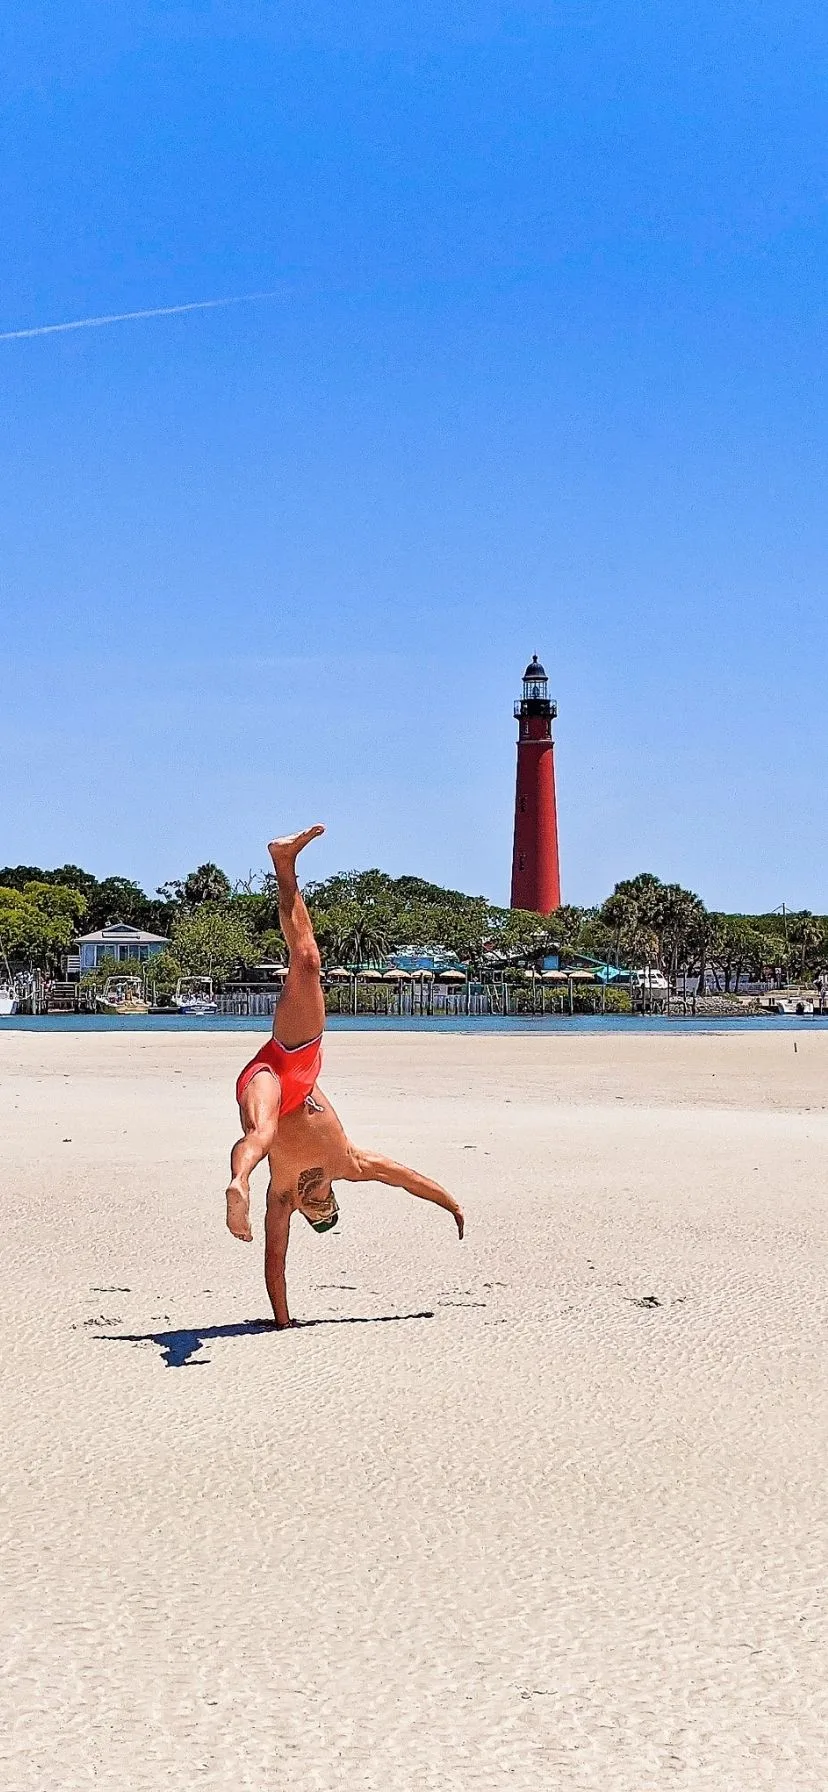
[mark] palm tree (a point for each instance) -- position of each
(655, 922)
(674, 913)
(207, 884)
(362, 943)
(806, 933)
(631, 913)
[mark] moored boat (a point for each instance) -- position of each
(122, 995)
(788, 1002)
(194, 996)
(9, 990)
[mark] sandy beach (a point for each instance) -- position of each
(545, 1509)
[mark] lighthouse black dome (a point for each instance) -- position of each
(534, 669)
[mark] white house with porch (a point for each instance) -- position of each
(118, 941)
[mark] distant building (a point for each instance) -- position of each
(439, 958)
(119, 941)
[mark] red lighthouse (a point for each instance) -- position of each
(536, 875)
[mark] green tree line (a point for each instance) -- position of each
(220, 930)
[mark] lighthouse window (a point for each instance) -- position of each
(522, 861)
(523, 805)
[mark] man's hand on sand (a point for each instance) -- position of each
(238, 1213)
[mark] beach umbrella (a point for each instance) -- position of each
(452, 976)
(338, 975)
(581, 976)
(396, 977)
(370, 976)
(426, 976)
(554, 976)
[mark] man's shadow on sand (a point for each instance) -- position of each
(178, 1348)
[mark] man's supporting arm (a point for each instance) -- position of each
(277, 1232)
(370, 1167)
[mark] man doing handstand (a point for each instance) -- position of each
(284, 1114)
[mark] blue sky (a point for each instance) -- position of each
(544, 371)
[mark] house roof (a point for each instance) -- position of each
(120, 933)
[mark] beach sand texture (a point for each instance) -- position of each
(545, 1509)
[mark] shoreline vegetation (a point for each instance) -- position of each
(369, 925)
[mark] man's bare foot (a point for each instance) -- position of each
(238, 1212)
(287, 850)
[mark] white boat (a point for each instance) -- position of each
(648, 986)
(9, 997)
(122, 995)
(194, 996)
(782, 1004)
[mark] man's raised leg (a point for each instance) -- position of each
(299, 1018)
(300, 1013)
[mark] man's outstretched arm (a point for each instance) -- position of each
(368, 1166)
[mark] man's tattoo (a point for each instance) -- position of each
(309, 1181)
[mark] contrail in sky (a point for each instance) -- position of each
(128, 317)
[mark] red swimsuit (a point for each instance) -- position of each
(295, 1068)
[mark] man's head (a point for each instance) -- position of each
(319, 1206)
